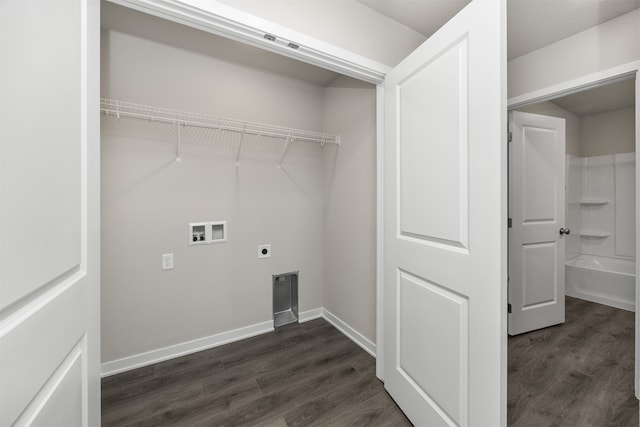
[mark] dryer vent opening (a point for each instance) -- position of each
(285, 299)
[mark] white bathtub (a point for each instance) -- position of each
(609, 281)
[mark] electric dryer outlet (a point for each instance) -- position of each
(264, 251)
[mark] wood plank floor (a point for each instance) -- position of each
(301, 375)
(576, 374)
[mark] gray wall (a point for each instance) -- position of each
(604, 46)
(350, 205)
(148, 199)
(344, 23)
(612, 132)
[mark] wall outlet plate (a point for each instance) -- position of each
(167, 261)
(264, 251)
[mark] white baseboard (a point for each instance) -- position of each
(305, 316)
(351, 333)
(177, 350)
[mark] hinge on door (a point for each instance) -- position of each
(509, 223)
(509, 136)
(509, 308)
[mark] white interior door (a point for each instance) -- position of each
(49, 217)
(445, 191)
(536, 209)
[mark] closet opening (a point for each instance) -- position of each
(591, 339)
(243, 148)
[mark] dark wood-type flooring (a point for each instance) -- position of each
(300, 375)
(576, 374)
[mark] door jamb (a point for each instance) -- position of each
(380, 231)
(589, 81)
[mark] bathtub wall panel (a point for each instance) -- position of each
(598, 175)
(573, 214)
(625, 196)
(601, 205)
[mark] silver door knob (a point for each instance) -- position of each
(564, 231)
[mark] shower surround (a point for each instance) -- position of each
(600, 212)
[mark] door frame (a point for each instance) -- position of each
(593, 80)
(218, 18)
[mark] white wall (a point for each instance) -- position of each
(148, 199)
(612, 132)
(344, 23)
(350, 205)
(610, 44)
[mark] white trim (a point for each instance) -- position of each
(177, 350)
(637, 307)
(224, 20)
(380, 231)
(590, 80)
(90, 406)
(182, 349)
(351, 333)
(575, 85)
(305, 316)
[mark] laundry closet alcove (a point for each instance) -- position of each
(317, 210)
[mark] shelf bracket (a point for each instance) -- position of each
(287, 142)
(244, 129)
(178, 143)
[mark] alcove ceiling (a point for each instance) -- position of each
(601, 99)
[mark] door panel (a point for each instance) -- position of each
(49, 199)
(540, 282)
(443, 316)
(536, 209)
(445, 224)
(48, 149)
(539, 175)
(432, 154)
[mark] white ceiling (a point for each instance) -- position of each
(531, 24)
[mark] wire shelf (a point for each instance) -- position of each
(187, 119)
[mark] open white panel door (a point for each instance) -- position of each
(537, 213)
(445, 247)
(49, 213)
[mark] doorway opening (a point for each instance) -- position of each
(599, 262)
